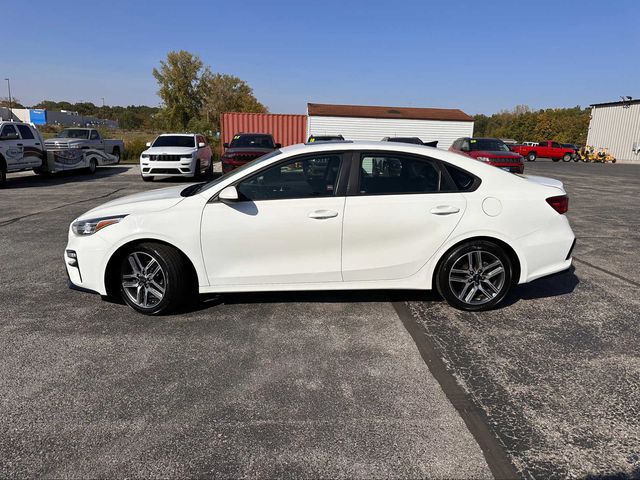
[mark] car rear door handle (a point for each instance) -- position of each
(444, 210)
(322, 214)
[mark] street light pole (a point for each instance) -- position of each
(10, 102)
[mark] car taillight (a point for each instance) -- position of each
(559, 203)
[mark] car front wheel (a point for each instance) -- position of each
(475, 276)
(152, 278)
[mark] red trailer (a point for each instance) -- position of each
(287, 129)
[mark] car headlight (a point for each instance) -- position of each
(144, 155)
(483, 159)
(187, 157)
(93, 225)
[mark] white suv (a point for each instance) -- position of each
(21, 148)
(176, 155)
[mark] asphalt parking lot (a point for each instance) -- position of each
(362, 384)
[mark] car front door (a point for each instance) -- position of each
(95, 141)
(286, 227)
(401, 212)
(12, 147)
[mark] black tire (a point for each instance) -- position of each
(147, 179)
(3, 176)
(531, 156)
(210, 168)
(197, 173)
(566, 157)
(173, 275)
(556, 159)
(93, 166)
(116, 153)
(489, 254)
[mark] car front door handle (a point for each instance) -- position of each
(444, 210)
(322, 214)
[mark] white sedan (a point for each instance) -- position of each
(328, 216)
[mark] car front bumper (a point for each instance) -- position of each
(181, 168)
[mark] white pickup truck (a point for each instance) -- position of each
(88, 139)
(22, 148)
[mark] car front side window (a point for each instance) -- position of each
(307, 177)
(389, 174)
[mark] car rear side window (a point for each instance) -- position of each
(306, 177)
(25, 132)
(388, 174)
(463, 181)
(8, 130)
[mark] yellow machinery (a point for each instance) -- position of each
(591, 154)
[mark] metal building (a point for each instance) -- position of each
(616, 126)
(356, 122)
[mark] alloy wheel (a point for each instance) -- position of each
(477, 277)
(143, 280)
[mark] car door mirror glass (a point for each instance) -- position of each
(201, 145)
(228, 194)
(148, 144)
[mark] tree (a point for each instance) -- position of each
(179, 80)
(226, 93)
(15, 103)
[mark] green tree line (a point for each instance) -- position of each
(565, 125)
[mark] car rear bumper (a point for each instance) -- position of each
(548, 250)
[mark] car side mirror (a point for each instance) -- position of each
(464, 149)
(228, 194)
(225, 145)
(278, 145)
(201, 144)
(148, 144)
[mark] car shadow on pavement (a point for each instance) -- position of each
(60, 178)
(562, 283)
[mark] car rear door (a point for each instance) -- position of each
(33, 153)
(399, 211)
(286, 227)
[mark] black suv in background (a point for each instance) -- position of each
(245, 147)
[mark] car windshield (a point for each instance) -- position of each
(488, 145)
(213, 183)
(74, 133)
(175, 141)
(252, 141)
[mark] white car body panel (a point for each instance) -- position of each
(381, 242)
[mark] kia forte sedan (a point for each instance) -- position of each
(328, 216)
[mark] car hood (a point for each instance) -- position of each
(64, 141)
(494, 154)
(249, 151)
(152, 201)
(170, 150)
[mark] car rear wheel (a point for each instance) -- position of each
(3, 176)
(116, 153)
(531, 157)
(475, 276)
(93, 166)
(566, 157)
(152, 278)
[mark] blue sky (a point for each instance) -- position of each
(480, 56)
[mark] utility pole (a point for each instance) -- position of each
(103, 115)
(10, 102)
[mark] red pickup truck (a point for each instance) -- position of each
(546, 149)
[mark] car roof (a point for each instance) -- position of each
(178, 134)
